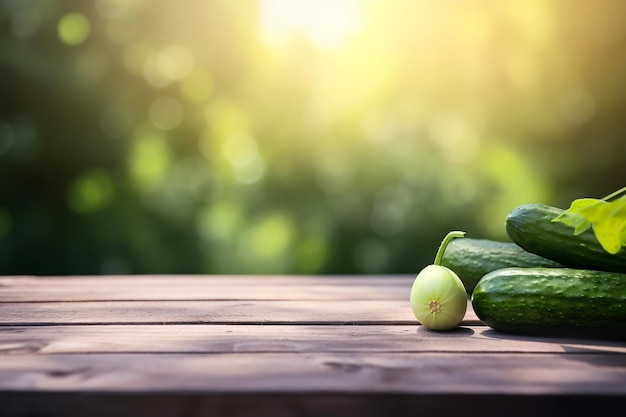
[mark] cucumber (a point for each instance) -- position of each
(532, 228)
(559, 302)
(471, 258)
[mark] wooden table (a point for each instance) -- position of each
(276, 346)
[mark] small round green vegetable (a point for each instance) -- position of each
(438, 296)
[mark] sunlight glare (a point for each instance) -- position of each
(327, 24)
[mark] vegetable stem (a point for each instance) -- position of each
(444, 243)
(614, 194)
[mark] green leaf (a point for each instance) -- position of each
(609, 224)
(608, 220)
(573, 216)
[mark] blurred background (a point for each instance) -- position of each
(295, 136)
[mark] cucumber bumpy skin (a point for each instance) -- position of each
(532, 228)
(558, 302)
(471, 259)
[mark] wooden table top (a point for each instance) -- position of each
(276, 346)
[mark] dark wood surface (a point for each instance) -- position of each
(276, 346)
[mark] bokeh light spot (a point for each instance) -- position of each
(225, 117)
(198, 86)
(220, 221)
(458, 140)
(326, 24)
(90, 192)
(535, 17)
(175, 62)
(25, 22)
(251, 172)
(134, 57)
(240, 149)
(153, 74)
(172, 63)
(73, 28)
(149, 161)
(112, 9)
(166, 113)
(269, 238)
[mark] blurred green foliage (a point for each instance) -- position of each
(218, 136)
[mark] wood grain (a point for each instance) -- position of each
(223, 287)
(193, 339)
(218, 312)
(276, 346)
(354, 372)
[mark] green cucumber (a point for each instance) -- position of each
(559, 302)
(471, 258)
(532, 228)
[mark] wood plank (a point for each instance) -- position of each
(198, 312)
(275, 345)
(282, 338)
(406, 373)
(214, 287)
